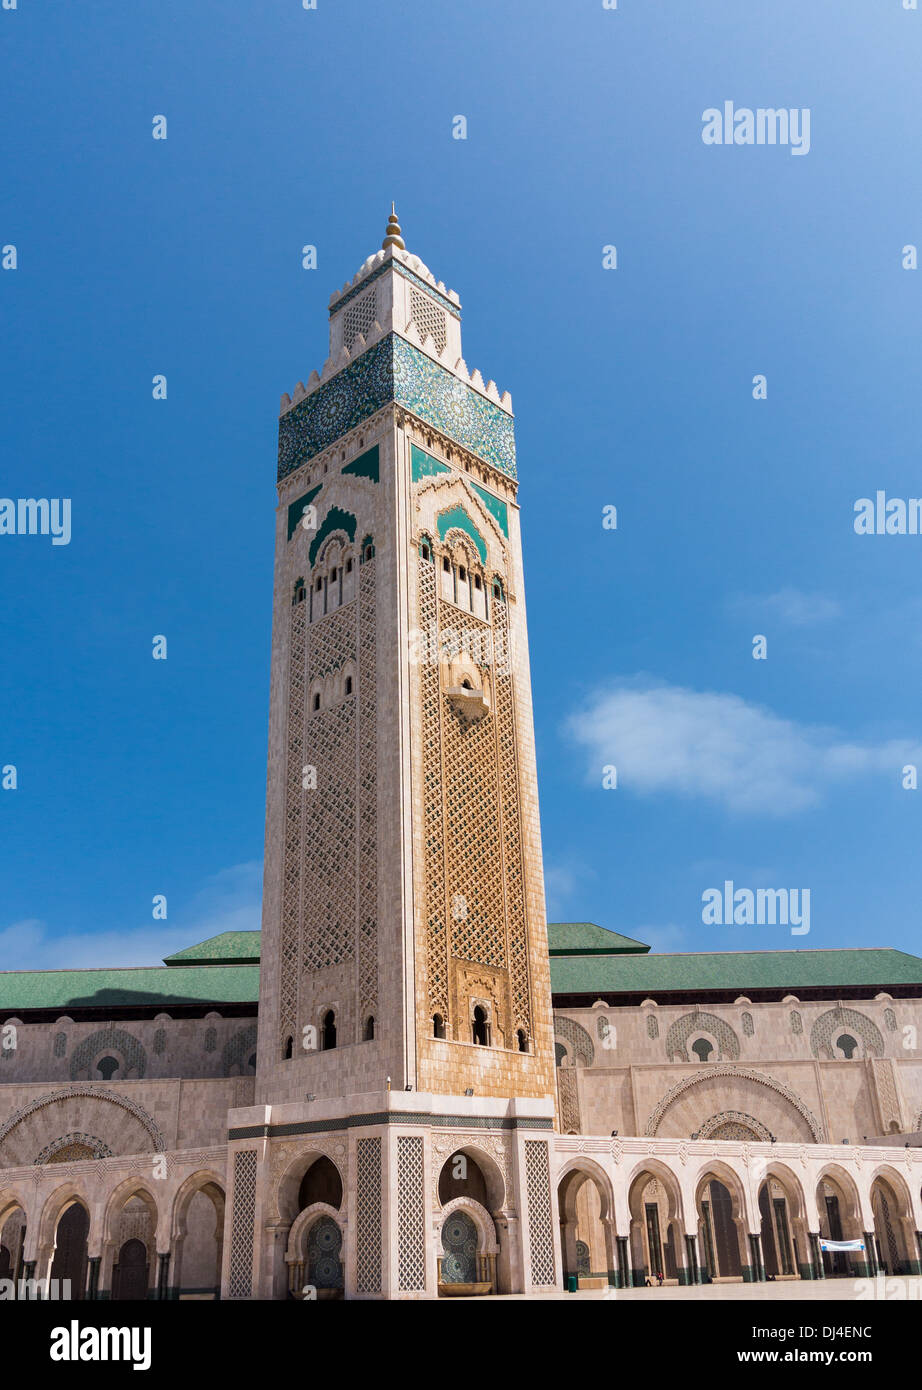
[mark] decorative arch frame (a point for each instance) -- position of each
(745, 1074)
(90, 1141)
(838, 1175)
(296, 1248)
(576, 1035)
(199, 1181)
(849, 1021)
(887, 1173)
(761, 1135)
(56, 1203)
(793, 1188)
(285, 1190)
(589, 1171)
(486, 1227)
(131, 1106)
(131, 1052)
(119, 1198)
(653, 1168)
(709, 1025)
(711, 1167)
(492, 1175)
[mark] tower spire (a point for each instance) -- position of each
(392, 235)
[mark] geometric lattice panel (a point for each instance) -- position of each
(330, 829)
(540, 1232)
(429, 318)
(411, 1214)
(242, 1224)
(359, 317)
(368, 1216)
(475, 882)
(368, 794)
(850, 1021)
(688, 1024)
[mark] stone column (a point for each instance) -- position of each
(691, 1259)
(870, 1253)
(624, 1268)
(163, 1276)
(819, 1269)
(758, 1266)
(92, 1288)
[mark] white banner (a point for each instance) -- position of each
(841, 1245)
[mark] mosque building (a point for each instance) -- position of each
(408, 1085)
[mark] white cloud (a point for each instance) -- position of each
(791, 606)
(699, 744)
(229, 901)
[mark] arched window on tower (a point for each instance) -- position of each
(847, 1045)
(328, 1032)
(438, 1026)
(497, 588)
(288, 1049)
(480, 1026)
(300, 592)
(367, 549)
(368, 1034)
(702, 1049)
(107, 1067)
(521, 1040)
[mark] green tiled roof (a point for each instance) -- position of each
(585, 938)
(144, 986)
(736, 970)
(229, 948)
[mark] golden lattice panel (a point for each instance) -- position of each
(328, 907)
(289, 952)
(433, 810)
(513, 869)
(368, 795)
(475, 884)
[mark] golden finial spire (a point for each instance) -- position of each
(392, 236)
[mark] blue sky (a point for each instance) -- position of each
(631, 387)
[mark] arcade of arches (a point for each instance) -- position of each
(753, 1213)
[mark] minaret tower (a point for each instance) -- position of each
(404, 930)
(404, 974)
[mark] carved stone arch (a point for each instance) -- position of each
(711, 1167)
(56, 1203)
(744, 1073)
(840, 1019)
(205, 1180)
(750, 1129)
(493, 1175)
(839, 1176)
(67, 1148)
(700, 1022)
(130, 1049)
(887, 1173)
(574, 1038)
(97, 1092)
(297, 1236)
(482, 1219)
(119, 1198)
(286, 1188)
(793, 1187)
(648, 1168)
(588, 1171)
(237, 1051)
(12, 1199)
